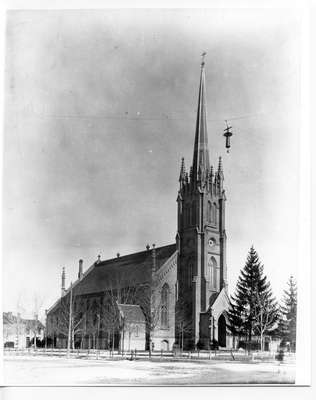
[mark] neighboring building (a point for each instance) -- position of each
(180, 288)
(19, 332)
(133, 324)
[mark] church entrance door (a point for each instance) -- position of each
(222, 331)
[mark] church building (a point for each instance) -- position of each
(162, 296)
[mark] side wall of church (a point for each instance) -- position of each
(164, 301)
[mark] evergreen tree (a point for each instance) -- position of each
(288, 308)
(253, 310)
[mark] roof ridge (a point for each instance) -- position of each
(132, 254)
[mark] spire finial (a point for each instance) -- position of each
(203, 58)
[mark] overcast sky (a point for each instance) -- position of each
(100, 108)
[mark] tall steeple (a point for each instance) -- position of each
(201, 236)
(201, 162)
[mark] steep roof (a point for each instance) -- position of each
(130, 270)
(213, 299)
(131, 313)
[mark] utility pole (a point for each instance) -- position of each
(45, 329)
(69, 322)
(35, 329)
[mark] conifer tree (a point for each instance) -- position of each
(253, 310)
(288, 309)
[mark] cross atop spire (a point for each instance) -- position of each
(201, 154)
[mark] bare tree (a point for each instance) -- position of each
(265, 315)
(35, 325)
(109, 316)
(151, 306)
(184, 327)
(69, 318)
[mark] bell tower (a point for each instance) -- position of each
(201, 237)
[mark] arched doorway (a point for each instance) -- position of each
(165, 345)
(222, 331)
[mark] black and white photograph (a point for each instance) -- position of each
(151, 197)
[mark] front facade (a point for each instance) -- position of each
(181, 288)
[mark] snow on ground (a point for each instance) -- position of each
(44, 370)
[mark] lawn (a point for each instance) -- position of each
(49, 370)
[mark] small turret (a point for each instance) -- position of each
(220, 174)
(182, 170)
(80, 272)
(182, 173)
(153, 253)
(63, 282)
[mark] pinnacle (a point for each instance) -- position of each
(220, 166)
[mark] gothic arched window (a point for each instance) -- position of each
(185, 216)
(190, 274)
(165, 306)
(209, 211)
(212, 265)
(213, 213)
(189, 215)
(193, 213)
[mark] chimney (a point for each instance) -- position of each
(118, 255)
(63, 281)
(80, 272)
(147, 247)
(153, 253)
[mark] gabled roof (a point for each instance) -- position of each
(124, 271)
(30, 323)
(131, 313)
(213, 298)
(10, 319)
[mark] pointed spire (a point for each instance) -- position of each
(220, 174)
(182, 171)
(211, 175)
(201, 153)
(220, 167)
